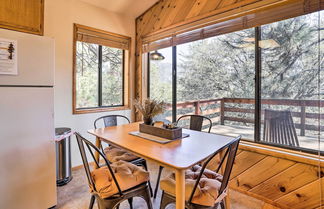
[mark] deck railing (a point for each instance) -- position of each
(236, 110)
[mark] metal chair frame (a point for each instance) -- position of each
(112, 120)
(230, 154)
(141, 190)
(196, 124)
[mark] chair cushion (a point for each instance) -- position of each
(114, 154)
(207, 190)
(127, 175)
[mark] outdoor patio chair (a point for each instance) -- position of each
(279, 128)
(196, 123)
(115, 182)
(114, 154)
(205, 189)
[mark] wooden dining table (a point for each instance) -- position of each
(177, 155)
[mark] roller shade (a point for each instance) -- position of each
(238, 19)
(95, 36)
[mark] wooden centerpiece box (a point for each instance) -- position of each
(162, 132)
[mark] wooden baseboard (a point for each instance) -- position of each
(77, 167)
(91, 164)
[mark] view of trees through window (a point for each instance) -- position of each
(99, 76)
(216, 78)
(291, 71)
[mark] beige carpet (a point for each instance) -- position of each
(75, 195)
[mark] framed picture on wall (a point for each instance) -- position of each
(8, 57)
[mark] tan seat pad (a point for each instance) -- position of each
(114, 154)
(207, 189)
(127, 175)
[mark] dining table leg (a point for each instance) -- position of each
(97, 156)
(180, 189)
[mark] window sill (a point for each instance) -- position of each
(284, 153)
(97, 110)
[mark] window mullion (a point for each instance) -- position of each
(257, 113)
(148, 75)
(100, 76)
(174, 83)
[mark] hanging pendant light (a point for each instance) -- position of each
(156, 56)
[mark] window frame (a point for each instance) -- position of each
(257, 96)
(125, 75)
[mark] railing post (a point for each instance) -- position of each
(197, 109)
(302, 120)
(222, 107)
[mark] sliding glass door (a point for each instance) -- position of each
(160, 81)
(247, 81)
(218, 71)
(291, 85)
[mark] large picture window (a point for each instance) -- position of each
(263, 83)
(99, 70)
(290, 82)
(207, 80)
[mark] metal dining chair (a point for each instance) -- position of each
(208, 188)
(114, 154)
(196, 124)
(279, 128)
(113, 183)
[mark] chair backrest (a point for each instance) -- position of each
(279, 128)
(109, 120)
(93, 150)
(196, 122)
(229, 158)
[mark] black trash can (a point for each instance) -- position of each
(63, 155)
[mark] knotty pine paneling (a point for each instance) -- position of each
(290, 180)
(245, 160)
(287, 181)
(264, 169)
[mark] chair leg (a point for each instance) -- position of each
(147, 198)
(222, 204)
(92, 200)
(165, 201)
(105, 204)
(158, 181)
(149, 182)
(130, 201)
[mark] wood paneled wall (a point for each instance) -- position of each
(282, 178)
(22, 15)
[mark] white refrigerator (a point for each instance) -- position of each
(27, 150)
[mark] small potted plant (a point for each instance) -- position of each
(149, 109)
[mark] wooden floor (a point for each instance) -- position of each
(310, 141)
(75, 195)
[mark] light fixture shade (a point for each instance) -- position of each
(156, 56)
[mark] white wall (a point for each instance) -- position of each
(59, 18)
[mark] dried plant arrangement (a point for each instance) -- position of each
(149, 109)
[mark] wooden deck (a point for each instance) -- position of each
(247, 132)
